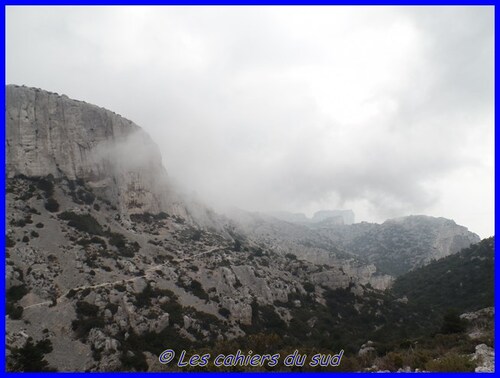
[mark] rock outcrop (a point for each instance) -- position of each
(401, 244)
(51, 134)
(485, 356)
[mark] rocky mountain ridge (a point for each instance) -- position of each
(51, 134)
(108, 265)
(377, 251)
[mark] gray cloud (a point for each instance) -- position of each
(388, 111)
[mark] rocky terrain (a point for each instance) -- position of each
(108, 264)
(453, 325)
(402, 244)
(376, 252)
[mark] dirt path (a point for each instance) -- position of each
(147, 272)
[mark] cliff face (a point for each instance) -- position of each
(374, 253)
(50, 134)
(399, 245)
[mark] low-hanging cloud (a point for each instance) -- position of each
(131, 151)
(382, 110)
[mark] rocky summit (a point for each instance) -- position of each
(108, 264)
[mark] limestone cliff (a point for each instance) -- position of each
(401, 244)
(51, 134)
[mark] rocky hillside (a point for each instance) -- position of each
(463, 281)
(108, 265)
(376, 252)
(306, 244)
(104, 258)
(449, 316)
(118, 291)
(399, 245)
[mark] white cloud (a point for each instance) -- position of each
(382, 109)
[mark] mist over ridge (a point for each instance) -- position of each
(289, 108)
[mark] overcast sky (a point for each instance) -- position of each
(386, 111)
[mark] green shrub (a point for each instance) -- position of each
(196, 235)
(9, 242)
(125, 248)
(195, 288)
(46, 185)
(143, 299)
(131, 249)
(162, 215)
(14, 311)
(206, 320)
(15, 293)
(82, 222)
(30, 357)
(86, 309)
(96, 353)
(119, 287)
(83, 325)
(224, 312)
(309, 287)
(175, 311)
(257, 252)
(112, 307)
(117, 240)
(18, 223)
(237, 246)
(98, 240)
(85, 196)
(87, 318)
(52, 205)
(34, 211)
(451, 363)
(452, 323)
(392, 361)
(92, 240)
(178, 219)
(83, 241)
(264, 318)
(148, 218)
(133, 360)
(26, 196)
(418, 359)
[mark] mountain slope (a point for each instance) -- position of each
(107, 265)
(92, 271)
(463, 281)
(401, 244)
